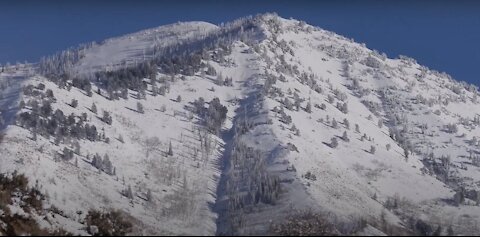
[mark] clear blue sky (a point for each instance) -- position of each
(444, 35)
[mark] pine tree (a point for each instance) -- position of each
(344, 108)
(346, 123)
(129, 193)
(76, 146)
(94, 108)
(334, 123)
(334, 142)
(372, 149)
(323, 106)
(220, 80)
(140, 108)
(345, 136)
(170, 150)
(107, 165)
(149, 195)
(34, 135)
(450, 231)
(380, 123)
(107, 118)
(74, 103)
(438, 231)
(309, 107)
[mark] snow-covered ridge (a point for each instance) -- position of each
(138, 47)
(314, 121)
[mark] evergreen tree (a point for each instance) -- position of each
(323, 106)
(129, 193)
(309, 107)
(346, 123)
(170, 150)
(107, 165)
(334, 123)
(149, 195)
(140, 108)
(94, 108)
(450, 231)
(345, 136)
(76, 146)
(372, 149)
(74, 103)
(107, 118)
(220, 80)
(334, 142)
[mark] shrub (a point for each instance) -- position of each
(305, 223)
(16, 187)
(112, 223)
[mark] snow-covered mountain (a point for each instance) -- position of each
(260, 126)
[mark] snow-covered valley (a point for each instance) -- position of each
(242, 129)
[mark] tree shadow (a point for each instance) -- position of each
(134, 110)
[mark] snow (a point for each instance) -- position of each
(138, 47)
(189, 193)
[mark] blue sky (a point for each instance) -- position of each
(444, 35)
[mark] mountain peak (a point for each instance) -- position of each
(245, 128)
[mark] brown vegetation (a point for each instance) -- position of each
(16, 186)
(305, 223)
(112, 223)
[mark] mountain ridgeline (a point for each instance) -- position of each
(263, 125)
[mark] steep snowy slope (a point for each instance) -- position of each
(362, 175)
(312, 122)
(130, 49)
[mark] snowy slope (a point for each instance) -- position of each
(293, 91)
(137, 47)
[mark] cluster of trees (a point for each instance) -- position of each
(104, 164)
(42, 120)
(451, 128)
(214, 116)
(284, 118)
(227, 81)
(83, 84)
(437, 166)
(372, 62)
(343, 107)
(117, 83)
(62, 62)
(284, 67)
(37, 91)
(374, 107)
(249, 164)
